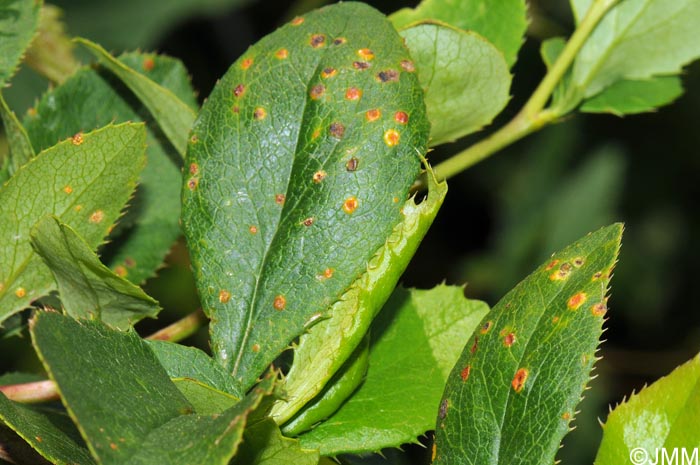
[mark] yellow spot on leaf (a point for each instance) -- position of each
(259, 113)
(319, 176)
(353, 93)
(373, 114)
(246, 63)
(224, 296)
(256, 347)
(599, 309)
(365, 54)
(68, 190)
(20, 292)
(297, 21)
(253, 229)
(350, 205)
(120, 271)
(391, 137)
(576, 300)
(97, 216)
(279, 303)
(282, 53)
(77, 139)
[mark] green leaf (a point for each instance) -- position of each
(205, 399)
(189, 362)
(51, 52)
(21, 150)
(19, 20)
(87, 288)
(336, 391)
(503, 22)
(630, 97)
(513, 392)
(204, 439)
(85, 182)
(49, 432)
(173, 115)
(326, 346)
(464, 77)
(110, 382)
(91, 99)
(637, 40)
(550, 50)
(661, 416)
(298, 167)
(416, 340)
(264, 445)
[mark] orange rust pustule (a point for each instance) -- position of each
(308, 221)
(279, 199)
(392, 137)
(282, 53)
(253, 229)
(148, 64)
(77, 139)
(224, 296)
(192, 184)
(519, 379)
(551, 265)
(353, 93)
(246, 63)
(350, 205)
(279, 303)
(340, 41)
(486, 327)
(319, 176)
(194, 168)
(297, 21)
(599, 309)
(576, 300)
(464, 374)
(97, 216)
(328, 273)
(407, 65)
(401, 117)
(239, 90)
(328, 73)
(373, 115)
(562, 273)
(474, 346)
(365, 54)
(509, 339)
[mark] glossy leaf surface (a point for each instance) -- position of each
(85, 182)
(297, 169)
(513, 392)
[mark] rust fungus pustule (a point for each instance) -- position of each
(239, 90)
(464, 374)
(389, 75)
(224, 296)
(317, 91)
(319, 176)
(259, 114)
(365, 54)
(194, 139)
(352, 164)
(576, 300)
(350, 204)
(562, 273)
(597, 275)
(407, 65)
(486, 327)
(599, 309)
(148, 64)
(509, 339)
(401, 117)
(96, 217)
(353, 93)
(68, 189)
(317, 40)
(77, 139)
(392, 137)
(578, 262)
(279, 199)
(121, 271)
(282, 54)
(256, 347)
(475, 346)
(340, 41)
(20, 292)
(551, 265)
(360, 65)
(519, 379)
(308, 221)
(337, 130)
(246, 63)
(328, 273)
(194, 169)
(192, 184)
(253, 229)
(373, 115)
(328, 73)
(279, 303)
(297, 21)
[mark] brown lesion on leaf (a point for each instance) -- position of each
(96, 217)
(353, 93)
(328, 73)
(192, 183)
(224, 296)
(121, 271)
(194, 169)
(308, 221)
(475, 346)
(509, 339)
(246, 63)
(389, 75)
(407, 65)
(253, 229)
(360, 65)
(576, 300)
(340, 41)
(317, 91)
(77, 139)
(486, 327)
(297, 21)
(337, 130)
(259, 114)
(317, 40)
(401, 117)
(279, 303)
(352, 164)
(148, 64)
(239, 90)
(562, 273)
(319, 176)
(282, 54)
(464, 374)
(279, 199)
(599, 309)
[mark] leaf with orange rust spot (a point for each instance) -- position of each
(533, 359)
(79, 180)
(292, 131)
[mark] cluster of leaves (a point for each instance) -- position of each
(293, 183)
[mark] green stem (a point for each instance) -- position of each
(44, 391)
(533, 116)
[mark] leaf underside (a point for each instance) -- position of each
(297, 169)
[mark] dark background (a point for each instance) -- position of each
(502, 217)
